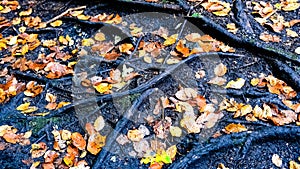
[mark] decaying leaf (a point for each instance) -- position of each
(186, 94)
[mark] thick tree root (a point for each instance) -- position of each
(245, 138)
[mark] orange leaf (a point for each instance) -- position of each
(78, 141)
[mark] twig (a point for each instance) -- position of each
(64, 13)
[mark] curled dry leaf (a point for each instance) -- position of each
(217, 7)
(32, 89)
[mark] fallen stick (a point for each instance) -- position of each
(64, 13)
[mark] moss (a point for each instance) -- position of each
(38, 123)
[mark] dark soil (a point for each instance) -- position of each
(252, 149)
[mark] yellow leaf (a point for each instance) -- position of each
(24, 106)
(30, 109)
(291, 6)
(291, 33)
(237, 84)
(99, 123)
(170, 40)
(76, 13)
(26, 13)
(175, 131)
(100, 36)
(125, 48)
(254, 81)
(235, 128)
(66, 134)
(13, 40)
(103, 87)
(83, 17)
(171, 151)
(56, 23)
(246, 109)
(87, 42)
(62, 104)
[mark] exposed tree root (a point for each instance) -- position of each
(244, 138)
(111, 138)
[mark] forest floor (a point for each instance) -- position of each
(149, 84)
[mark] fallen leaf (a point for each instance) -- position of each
(291, 33)
(103, 87)
(78, 141)
(236, 84)
(217, 81)
(220, 70)
(95, 142)
(175, 131)
(186, 94)
(276, 160)
(170, 40)
(135, 135)
(235, 128)
(99, 123)
(297, 50)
